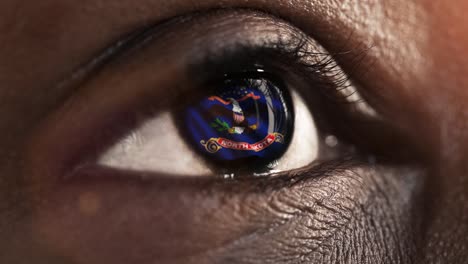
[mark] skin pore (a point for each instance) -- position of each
(413, 73)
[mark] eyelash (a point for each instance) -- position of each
(329, 92)
(323, 78)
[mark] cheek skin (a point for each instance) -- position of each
(315, 219)
(371, 227)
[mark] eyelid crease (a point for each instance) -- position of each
(132, 41)
(72, 82)
(266, 32)
(142, 36)
(301, 49)
(299, 53)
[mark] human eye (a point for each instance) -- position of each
(124, 161)
(267, 100)
(247, 123)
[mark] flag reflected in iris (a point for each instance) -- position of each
(242, 120)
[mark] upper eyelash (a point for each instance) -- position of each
(327, 66)
(342, 83)
(321, 71)
(297, 51)
(324, 71)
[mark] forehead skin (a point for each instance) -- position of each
(419, 53)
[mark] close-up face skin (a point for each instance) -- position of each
(233, 131)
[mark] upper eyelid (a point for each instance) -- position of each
(147, 34)
(97, 80)
(266, 32)
(142, 36)
(129, 44)
(139, 58)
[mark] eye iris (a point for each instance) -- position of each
(244, 121)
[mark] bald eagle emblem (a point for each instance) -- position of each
(237, 118)
(232, 109)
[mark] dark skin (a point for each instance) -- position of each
(410, 211)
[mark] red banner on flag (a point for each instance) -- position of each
(213, 145)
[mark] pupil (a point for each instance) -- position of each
(243, 122)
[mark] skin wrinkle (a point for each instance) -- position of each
(302, 214)
(318, 237)
(334, 236)
(40, 50)
(355, 255)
